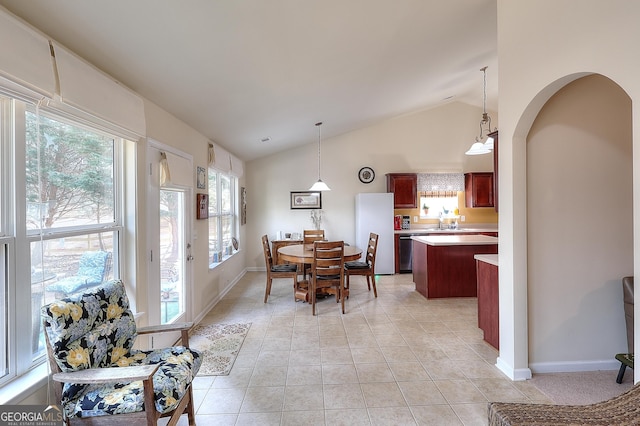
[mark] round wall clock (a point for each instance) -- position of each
(366, 175)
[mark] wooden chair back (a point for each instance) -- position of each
(327, 270)
(372, 248)
(277, 271)
(312, 235)
(266, 249)
(366, 268)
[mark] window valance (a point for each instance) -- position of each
(223, 161)
(25, 58)
(34, 68)
(439, 182)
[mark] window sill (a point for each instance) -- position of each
(224, 259)
(22, 387)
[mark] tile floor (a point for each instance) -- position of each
(399, 359)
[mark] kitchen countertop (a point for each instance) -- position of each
(487, 258)
(425, 231)
(456, 240)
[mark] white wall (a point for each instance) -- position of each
(543, 45)
(427, 141)
(209, 285)
(580, 242)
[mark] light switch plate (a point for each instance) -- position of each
(415, 219)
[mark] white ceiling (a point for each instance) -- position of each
(242, 70)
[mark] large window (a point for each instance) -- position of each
(6, 240)
(222, 216)
(65, 201)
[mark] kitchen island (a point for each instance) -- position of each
(444, 265)
(488, 312)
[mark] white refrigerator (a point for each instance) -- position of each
(374, 213)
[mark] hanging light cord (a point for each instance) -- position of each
(319, 124)
(485, 116)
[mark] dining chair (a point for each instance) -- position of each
(327, 271)
(287, 270)
(366, 267)
(310, 236)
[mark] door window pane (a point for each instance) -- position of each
(171, 255)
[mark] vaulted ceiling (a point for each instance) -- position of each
(239, 71)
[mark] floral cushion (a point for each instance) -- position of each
(97, 329)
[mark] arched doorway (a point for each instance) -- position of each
(579, 226)
(514, 333)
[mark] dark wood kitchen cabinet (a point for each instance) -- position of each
(494, 135)
(405, 190)
(478, 189)
(488, 305)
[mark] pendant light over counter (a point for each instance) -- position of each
(319, 185)
(478, 146)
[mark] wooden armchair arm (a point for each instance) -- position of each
(163, 328)
(107, 374)
(182, 327)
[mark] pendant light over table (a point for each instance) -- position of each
(478, 146)
(319, 185)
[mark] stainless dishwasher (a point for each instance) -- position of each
(404, 252)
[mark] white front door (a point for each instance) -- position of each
(169, 206)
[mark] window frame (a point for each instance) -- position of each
(219, 257)
(16, 239)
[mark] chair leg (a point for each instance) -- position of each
(373, 281)
(342, 294)
(312, 290)
(621, 373)
(267, 290)
(190, 412)
(295, 287)
(347, 285)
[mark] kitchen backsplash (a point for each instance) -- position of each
(472, 215)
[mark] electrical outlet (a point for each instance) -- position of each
(415, 219)
(462, 218)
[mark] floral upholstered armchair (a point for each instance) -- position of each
(90, 339)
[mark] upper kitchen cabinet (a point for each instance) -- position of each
(494, 135)
(478, 189)
(405, 190)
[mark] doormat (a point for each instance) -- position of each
(219, 345)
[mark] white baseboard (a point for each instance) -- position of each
(574, 366)
(215, 301)
(515, 374)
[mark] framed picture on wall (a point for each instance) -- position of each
(243, 206)
(306, 200)
(201, 177)
(202, 206)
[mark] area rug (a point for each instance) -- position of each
(219, 345)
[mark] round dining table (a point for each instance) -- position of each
(303, 253)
